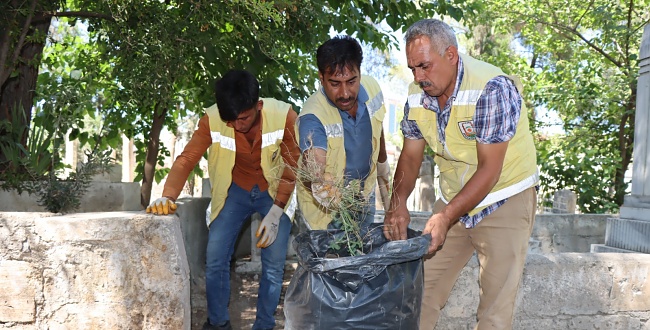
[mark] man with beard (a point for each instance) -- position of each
(341, 136)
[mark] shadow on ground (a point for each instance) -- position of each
(243, 299)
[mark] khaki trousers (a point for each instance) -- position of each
(501, 243)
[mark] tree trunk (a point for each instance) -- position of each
(20, 58)
(152, 154)
(625, 145)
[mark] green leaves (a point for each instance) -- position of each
(577, 60)
(110, 77)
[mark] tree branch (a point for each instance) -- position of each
(533, 61)
(80, 14)
(585, 14)
(593, 46)
(575, 32)
(627, 37)
(641, 26)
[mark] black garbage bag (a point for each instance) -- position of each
(381, 289)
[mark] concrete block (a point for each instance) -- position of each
(191, 215)
(540, 323)
(18, 292)
(628, 234)
(637, 201)
(630, 283)
(551, 286)
(113, 174)
(564, 201)
(602, 248)
(18, 227)
(79, 227)
(603, 322)
(635, 213)
(569, 232)
(580, 322)
(556, 233)
(99, 197)
(111, 196)
(95, 271)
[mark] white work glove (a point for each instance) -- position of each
(162, 206)
(208, 214)
(269, 225)
(326, 193)
(383, 179)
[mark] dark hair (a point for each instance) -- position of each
(338, 53)
(236, 91)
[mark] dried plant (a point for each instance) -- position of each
(345, 206)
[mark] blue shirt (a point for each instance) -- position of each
(357, 137)
(495, 120)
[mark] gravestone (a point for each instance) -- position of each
(631, 232)
(564, 201)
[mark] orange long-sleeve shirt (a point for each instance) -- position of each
(247, 171)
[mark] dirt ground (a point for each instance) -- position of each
(243, 299)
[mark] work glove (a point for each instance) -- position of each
(269, 225)
(383, 179)
(162, 206)
(326, 193)
(208, 214)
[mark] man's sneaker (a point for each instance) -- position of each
(208, 326)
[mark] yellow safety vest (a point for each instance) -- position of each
(315, 214)
(457, 158)
(221, 156)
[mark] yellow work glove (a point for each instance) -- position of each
(162, 206)
(383, 179)
(269, 226)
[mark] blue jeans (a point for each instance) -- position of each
(241, 204)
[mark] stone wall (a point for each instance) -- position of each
(100, 197)
(559, 233)
(552, 233)
(118, 270)
(565, 291)
(128, 270)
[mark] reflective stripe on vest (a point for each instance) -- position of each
(225, 141)
(334, 130)
(271, 137)
(221, 157)
(506, 192)
(457, 158)
(468, 97)
(414, 100)
(317, 216)
(375, 104)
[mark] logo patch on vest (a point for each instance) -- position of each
(467, 129)
(275, 155)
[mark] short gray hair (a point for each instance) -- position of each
(440, 33)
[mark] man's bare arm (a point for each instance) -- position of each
(490, 163)
(406, 173)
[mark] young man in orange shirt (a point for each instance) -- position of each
(252, 154)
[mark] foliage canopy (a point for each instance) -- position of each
(579, 60)
(144, 64)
